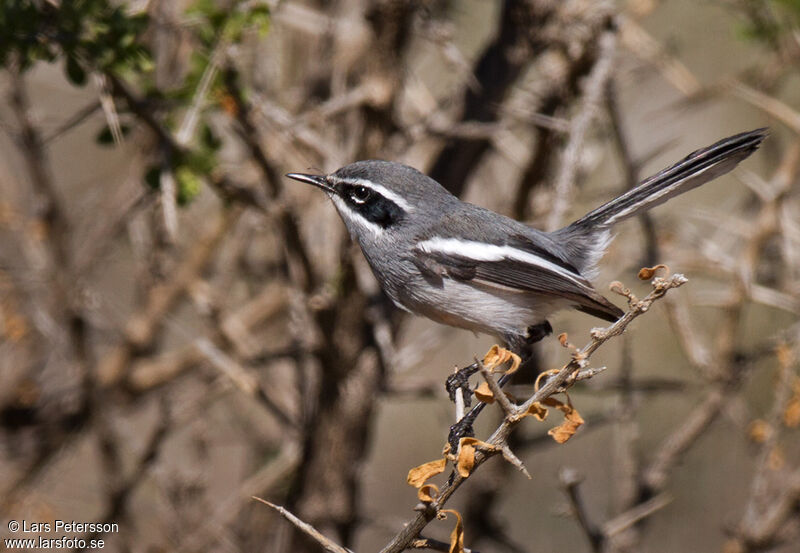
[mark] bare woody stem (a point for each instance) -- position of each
(599, 336)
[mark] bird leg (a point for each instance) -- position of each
(463, 428)
(460, 380)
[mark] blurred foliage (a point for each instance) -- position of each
(228, 24)
(81, 32)
(105, 37)
(769, 21)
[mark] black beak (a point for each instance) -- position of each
(315, 180)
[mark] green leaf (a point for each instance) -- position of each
(260, 19)
(189, 185)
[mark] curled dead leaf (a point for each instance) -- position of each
(536, 410)
(480, 444)
(562, 339)
(566, 429)
(418, 475)
(465, 461)
(572, 420)
(646, 273)
(457, 535)
(484, 393)
(493, 357)
(428, 493)
(466, 457)
(497, 356)
(542, 376)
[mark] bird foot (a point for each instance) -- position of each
(459, 380)
(494, 358)
(463, 428)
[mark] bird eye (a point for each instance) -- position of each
(360, 194)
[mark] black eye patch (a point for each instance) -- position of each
(360, 194)
(371, 205)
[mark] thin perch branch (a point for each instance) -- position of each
(499, 438)
(306, 528)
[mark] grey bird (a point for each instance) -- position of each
(465, 266)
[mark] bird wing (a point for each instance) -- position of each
(517, 263)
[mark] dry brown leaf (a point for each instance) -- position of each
(572, 420)
(457, 535)
(484, 393)
(566, 429)
(536, 410)
(493, 357)
(497, 356)
(418, 475)
(646, 273)
(466, 456)
(428, 493)
(465, 461)
(759, 431)
(542, 376)
(480, 444)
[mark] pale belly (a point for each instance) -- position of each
(486, 309)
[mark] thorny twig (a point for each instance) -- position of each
(574, 370)
(499, 437)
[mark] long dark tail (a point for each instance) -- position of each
(585, 236)
(692, 171)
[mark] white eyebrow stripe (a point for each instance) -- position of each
(380, 189)
(480, 251)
